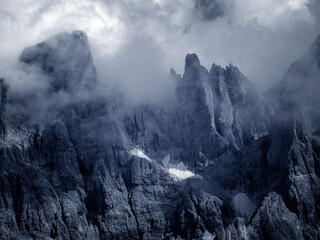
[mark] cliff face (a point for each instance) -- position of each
(216, 164)
(66, 58)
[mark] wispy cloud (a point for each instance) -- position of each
(135, 43)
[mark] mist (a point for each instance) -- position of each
(135, 43)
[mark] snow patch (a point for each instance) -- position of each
(139, 153)
(179, 170)
(181, 174)
(208, 236)
(243, 206)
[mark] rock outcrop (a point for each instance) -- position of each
(218, 163)
(66, 58)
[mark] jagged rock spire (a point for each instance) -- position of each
(67, 58)
(191, 60)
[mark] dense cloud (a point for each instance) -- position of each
(314, 7)
(210, 10)
(135, 43)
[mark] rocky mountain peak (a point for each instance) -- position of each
(191, 86)
(174, 75)
(80, 36)
(192, 60)
(66, 58)
(216, 69)
(215, 164)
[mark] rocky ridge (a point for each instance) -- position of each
(98, 169)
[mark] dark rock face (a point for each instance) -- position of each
(199, 212)
(274, 221)
(218, 163)
(295, 150)
(66, 57)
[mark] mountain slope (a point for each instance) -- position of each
(217, 163)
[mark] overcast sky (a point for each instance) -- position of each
(136, 42)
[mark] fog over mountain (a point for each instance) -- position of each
(160, 119)
(261, 37)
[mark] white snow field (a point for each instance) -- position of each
(139, 153)
(177, 171)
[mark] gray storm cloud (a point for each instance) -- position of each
(209, 9)
(135, 43)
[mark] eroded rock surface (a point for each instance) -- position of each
(94, 167)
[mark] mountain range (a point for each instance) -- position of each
(220, 161)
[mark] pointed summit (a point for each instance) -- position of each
(193, 70)
(67, 58)
(191, 60)
(174, 75)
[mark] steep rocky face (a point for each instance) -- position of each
(272, 220)
(209, 128)
(195, 98)
(293, 154)
(299, 89)
(66, 58)
(284, 224)
(199, 213)
(203, 167)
